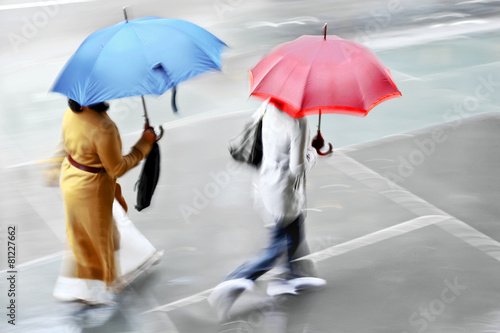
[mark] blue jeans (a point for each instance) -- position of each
(287, 238)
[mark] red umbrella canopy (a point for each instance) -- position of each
(316, 74)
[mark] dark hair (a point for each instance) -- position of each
(74, 106)
(99, 107)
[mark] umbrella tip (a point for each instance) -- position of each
(125, 14)
(324, 31)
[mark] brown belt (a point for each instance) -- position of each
(84, 167)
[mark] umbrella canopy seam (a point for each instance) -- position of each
(306, 81)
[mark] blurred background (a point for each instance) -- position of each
(443, 56)
(427, 45)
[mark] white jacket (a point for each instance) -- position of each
(287, 157)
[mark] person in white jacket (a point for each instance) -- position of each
(287, 157)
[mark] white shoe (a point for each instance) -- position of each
(82, 290)
(66, 289)
(294, 286)
(225, 294)
(281, 287)
(308, 283)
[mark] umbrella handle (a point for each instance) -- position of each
(318, 142)
(174, 94)
(161, 134)
(328, 152)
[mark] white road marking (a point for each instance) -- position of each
(332, 251)
(376, 237)
(426, 212)
(336, 185)
(41, 4)
(472, 237)
(42, 260)
(183, 302)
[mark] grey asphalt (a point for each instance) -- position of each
(402, 218)
(418, 253)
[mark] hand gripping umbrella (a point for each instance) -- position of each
(322, 74)
(146, 56)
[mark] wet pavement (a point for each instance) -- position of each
(418, 253)
(402, 219)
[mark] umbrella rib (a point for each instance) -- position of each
(198, 46)
(95, 63)
(106, 46)
(140, 40)
(273, 68)
(288, 76)
(307, 76)
(143, 54)
(190, 39)
(361, 93)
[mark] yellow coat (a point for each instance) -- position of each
(91, 138)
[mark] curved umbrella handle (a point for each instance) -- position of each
(328, 152)
(173, 102)
(318, 142)
(161, 134)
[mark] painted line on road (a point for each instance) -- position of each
(427, 214)
(332, 251)
(380, 184)
(405, 199)
(375, 237)
(448, 223)
(41, 4)
(154, 322)
(472, 237)
(41, 261)
(182, 302)
(415, 133)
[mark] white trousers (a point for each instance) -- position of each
(134, 251)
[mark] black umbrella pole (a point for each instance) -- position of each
(145, 111)
(319, 121)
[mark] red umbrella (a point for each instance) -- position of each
(315, 74)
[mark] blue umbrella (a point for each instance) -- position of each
(146, 56)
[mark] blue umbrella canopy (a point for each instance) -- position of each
(146, 56)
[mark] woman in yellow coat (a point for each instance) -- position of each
(88, 183)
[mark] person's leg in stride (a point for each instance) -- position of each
(301, 273)
(242, 278)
